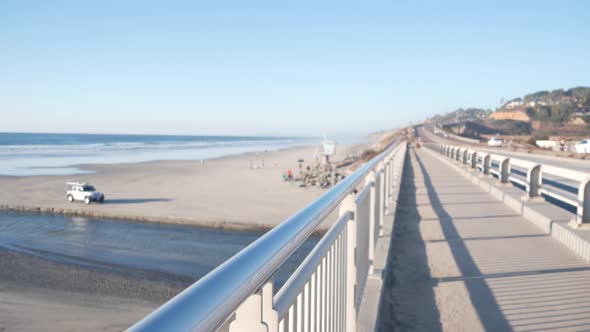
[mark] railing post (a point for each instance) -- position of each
(473, 159)
(393, 175)
(583, 208)
(486, 164)
(458, 155)
(504, 170)
(387, 174)
(256, 313)
(534, 181)
(465, 153)
(370, 181)
(382, 200)
(350, 310)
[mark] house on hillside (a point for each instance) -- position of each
(514, 103)
(566, 99)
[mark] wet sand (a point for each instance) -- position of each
(40, 295)
(219, 193)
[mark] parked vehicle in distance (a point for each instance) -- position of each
(583, 146)
(495, 141)
(83, 192)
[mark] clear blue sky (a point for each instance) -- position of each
(248, 67)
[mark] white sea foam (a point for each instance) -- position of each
(24, 160)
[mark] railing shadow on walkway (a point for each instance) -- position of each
(407, 247)
(482, 298)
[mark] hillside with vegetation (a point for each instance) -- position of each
(461, 115)
(557, 106)
(558, 112)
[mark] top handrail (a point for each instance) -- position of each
(562, 172)
(207, 304)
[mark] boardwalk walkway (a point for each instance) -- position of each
(462, 261)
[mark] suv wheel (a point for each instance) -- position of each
(70, 198)
(87, 200)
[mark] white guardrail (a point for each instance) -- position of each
(325, 291)
(560, 184)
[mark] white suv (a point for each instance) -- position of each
(495, 141)
(83, 192)
(583, 146)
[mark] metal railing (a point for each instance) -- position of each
(324, 292)
(557, 183)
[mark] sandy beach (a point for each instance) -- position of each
(220, 193)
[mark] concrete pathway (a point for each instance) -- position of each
(459, 260)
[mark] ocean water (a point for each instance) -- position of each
(25, 154)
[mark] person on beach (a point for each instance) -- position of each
(562, 144)
(288, 175)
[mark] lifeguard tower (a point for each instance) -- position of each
(328, 150)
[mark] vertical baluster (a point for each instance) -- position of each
(335, 287)
(329, 289)
(323, 297)
(335, 291)
(312, 302)
(291, 321)
(342, 281)
(299, 324)
(306, 305)
(344, 251)
(318, 296)
(338, 285)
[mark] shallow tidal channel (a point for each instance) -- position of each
(124, 247)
